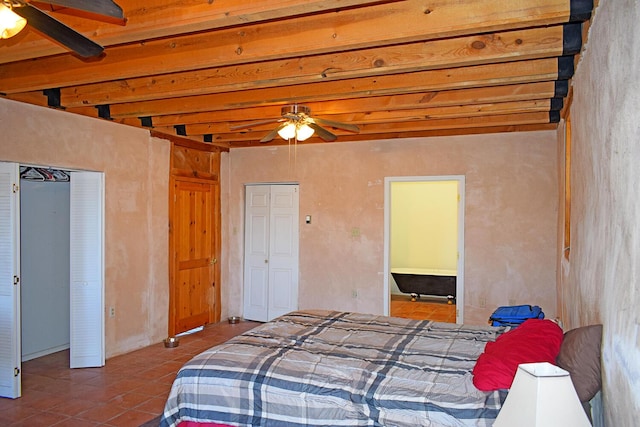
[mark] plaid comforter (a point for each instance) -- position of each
(327, 368)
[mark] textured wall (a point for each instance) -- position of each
(510, 223)
(602, 283)
(136, 171)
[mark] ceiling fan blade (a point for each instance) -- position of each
(58, 31)
(256, 123)
(322, 132)
(337, 125)
(273, 133)
(99, 7)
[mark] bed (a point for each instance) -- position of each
(315, 368)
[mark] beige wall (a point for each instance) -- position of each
(510, 230)
(601, 281)
(136, 169)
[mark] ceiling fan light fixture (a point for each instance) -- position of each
(292, 130)
(303, 132)
(288, 131)
(10, 23)
(296, 122)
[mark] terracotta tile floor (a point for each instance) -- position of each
(128, 391)
(422, 309)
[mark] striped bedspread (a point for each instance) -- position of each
(327, 368)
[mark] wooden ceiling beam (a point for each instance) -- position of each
(457, 52)
(190, 142)
(406, 126)
(517, 92)
(471, 110)
(152, 19)
(400, 137)
(396, 68)
(35, 98)
(450, 132)
(455, 123)
(377, 117)
(432, 80)
(403, 22)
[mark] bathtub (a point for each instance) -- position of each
(428, 282)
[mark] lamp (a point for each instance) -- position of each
(10, 23)
(542, 395)
(301, 131)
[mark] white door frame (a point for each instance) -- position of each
(387, 236)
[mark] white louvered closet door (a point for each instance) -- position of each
(86, 270)
(10, 376)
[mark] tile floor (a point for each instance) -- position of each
(422, 308)
(128, 391)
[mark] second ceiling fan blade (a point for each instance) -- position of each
(322, 132)
(337, 125)
(273, 133)
(99, 7)
(256, 123)
(58, 31)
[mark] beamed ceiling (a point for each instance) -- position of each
(409, 68)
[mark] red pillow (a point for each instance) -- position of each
(535, 340)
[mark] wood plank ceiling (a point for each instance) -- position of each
(412, 68)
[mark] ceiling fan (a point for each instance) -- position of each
(51, 27)
(296, 122)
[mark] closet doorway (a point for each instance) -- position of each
(86, 274)
(44, 259)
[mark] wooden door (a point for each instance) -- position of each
(193, 244)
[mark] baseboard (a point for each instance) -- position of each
(35, 355)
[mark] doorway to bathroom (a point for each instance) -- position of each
(424, 247)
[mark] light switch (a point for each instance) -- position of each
(307, 219)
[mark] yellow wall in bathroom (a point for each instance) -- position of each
(424, 219)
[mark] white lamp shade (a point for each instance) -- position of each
(10, 23)
(542, 395)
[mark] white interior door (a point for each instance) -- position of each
(10, 367)
(256, 252)
(271, 251)
(86, 270)
(283, 250)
